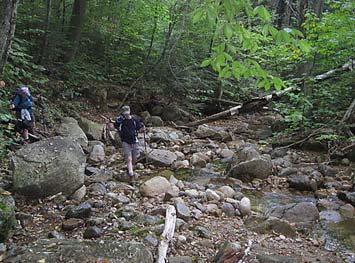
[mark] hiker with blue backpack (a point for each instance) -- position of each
(128, 127)
(22, 103)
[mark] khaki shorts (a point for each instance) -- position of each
(130, 150)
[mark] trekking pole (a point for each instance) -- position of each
(145, 147)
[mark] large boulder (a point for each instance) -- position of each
(248, 164)
(302, 183)
(155, 186)
(69, 127)
(93, 130)
(49, 167)
(302, 214)
(86, 251)
(216, 133)
(171, 113)
(7, 214)
(161, 157)
(260, 167)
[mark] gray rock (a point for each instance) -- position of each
(279, 152)
(180, 164)
(152, 239)
(161, 157)
(89, 170)
(202, 232)
(245, 206)
(92, 129)
(96, 221)
(172, 193)
(267, 258)
(101, 176)
(155, 186)
(145, 116)
(348, 197)
(171, 113)
(260, 167)
(226, 153)
(302, 214)
(227, 191)
(180, 259)
(208, 172)
(347, 211)
(212, 195)
(81, 211)
(118, 198)
(345, 161)
(87, 251)
(228, 209)
(204, 131)
(70, 128)
(228, 250)
(302, 183)
(286, 172)
(192, 193)
(327, 170)
(92, 232)
(156, 121)
(7, 215)
(72, 223)
(97, 188)
(145, 219)
(55, 235)
(182, 211)
(97, 154)
(48, 167)
(79, 194)
(199, 159)
(268, 225)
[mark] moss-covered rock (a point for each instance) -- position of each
(7, 215)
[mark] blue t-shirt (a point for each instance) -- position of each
(128, 128)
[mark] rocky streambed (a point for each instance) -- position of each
(236, 197)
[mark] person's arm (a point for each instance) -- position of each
(139, 125)
(15, 103)
(118, 123)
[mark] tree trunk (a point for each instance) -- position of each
(318, 6)
(76, 24)
(284, 13)
(8, 12)
(46, 31)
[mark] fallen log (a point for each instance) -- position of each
(228, 102)
(168, 233)
(346, 67)
(252, 105)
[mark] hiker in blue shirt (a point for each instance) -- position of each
(22, 103)
(128, 127)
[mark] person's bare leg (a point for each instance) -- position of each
(130, 165)
(25, 134)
